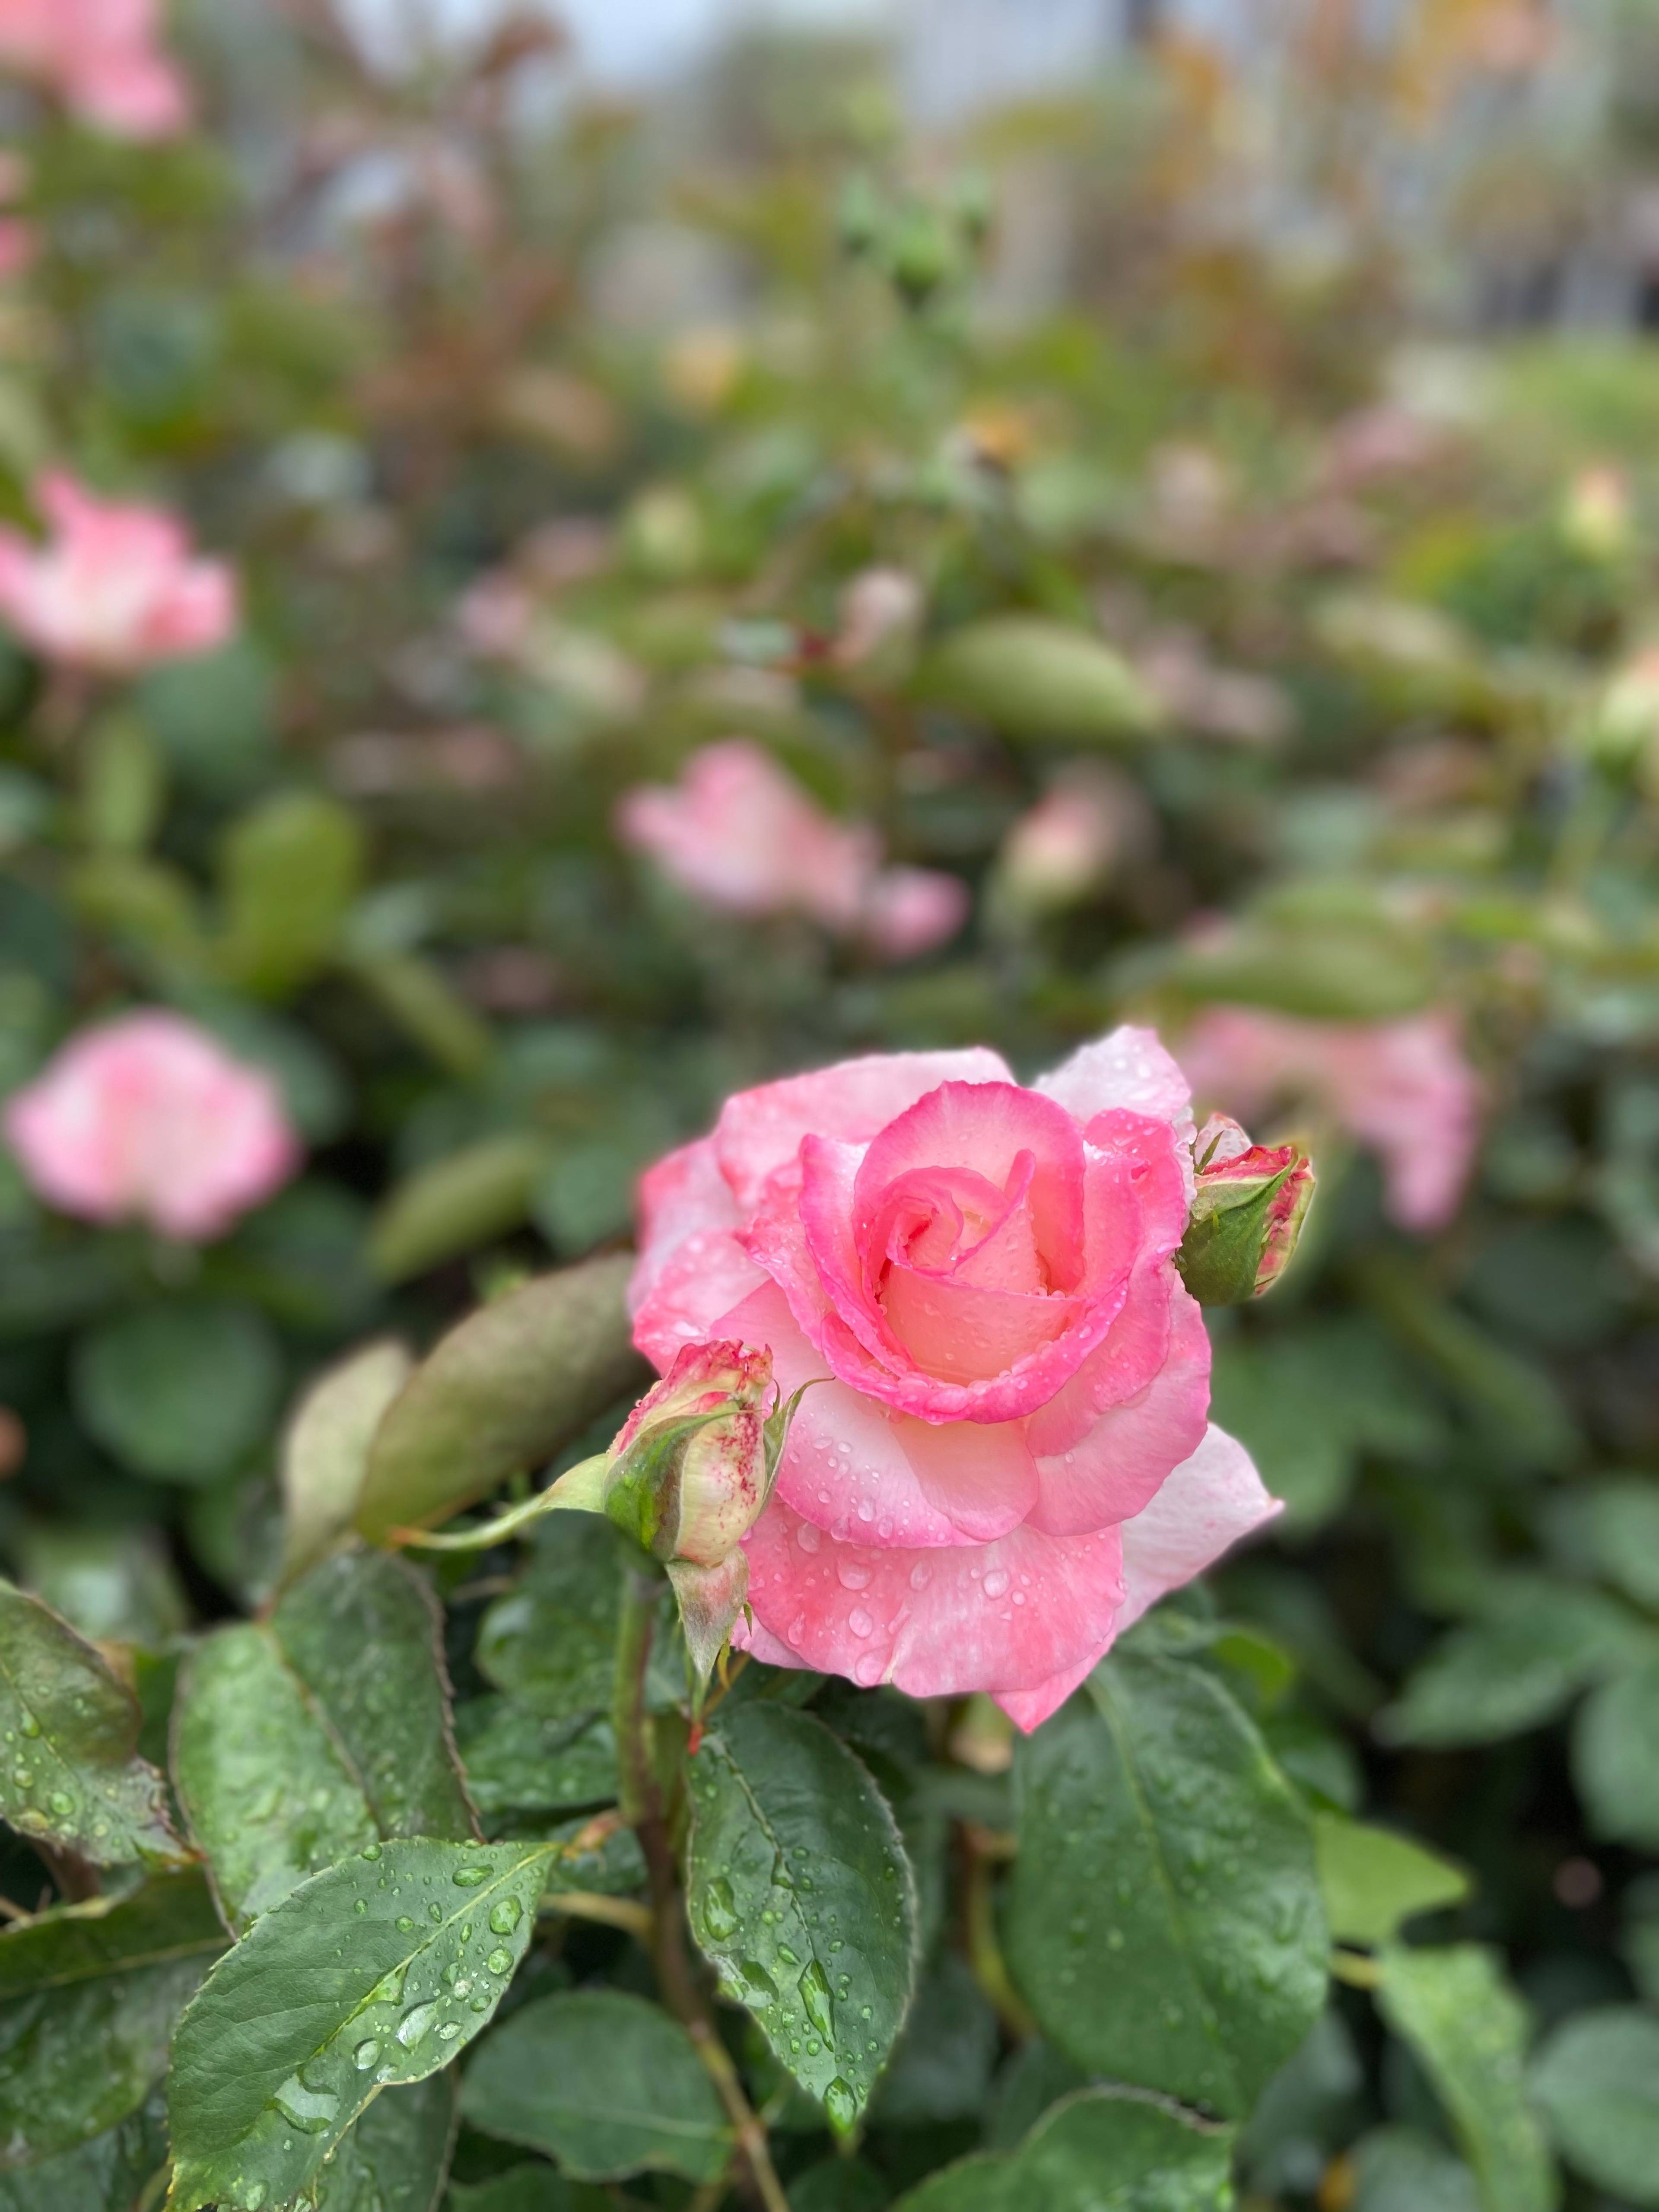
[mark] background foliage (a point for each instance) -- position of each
(665, 385)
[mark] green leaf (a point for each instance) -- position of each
(364, 1634)
(1398, 2171)
(1102, 2150)
(377, 1970)
(289, 870)
(468, 1198)
(552, 1642)
(395, 2156)
(1597, 2080)
(1623, 1528)
(516, 1761)
(74, 1776)
(1468, 2029)
(501, 1394)
(106, 2173)
(530, 2188)
(602, 2081)
(1615, 1757)
(302, 1739)
(799, 1892)
(1514, 1670)
(267, 1790)
(1038, 680)
(325, 1450)
(1165, 1920)
(1374, 1881)
(180, 1391)
(88, 1995)
(941, 2068)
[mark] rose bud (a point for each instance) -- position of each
(689, 1476)
(1246, 1214)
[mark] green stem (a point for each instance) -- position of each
(641, 1807)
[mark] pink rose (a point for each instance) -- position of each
(1403, 1089)
(739, 834)
(114, 588)
(1008, 1459)
(99, 57)
(910, 911)
(147, 1116)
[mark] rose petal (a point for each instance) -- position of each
(845, 1465)
(1131, 1068)
(1005, 1616)
(759, 1130)
(1029, 1709)
(986, 1127)
(682, 1195)
(1210, 1502)
(1115, 1467)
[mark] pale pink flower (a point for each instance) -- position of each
(147, 1118)
(1004, 1457)
(910, 911)
(114, 588)
(1403, 1089)
(100, 57)
(1065, 847)
(879, 607)
(18, 244)
(740, 834)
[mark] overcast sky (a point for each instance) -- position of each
(632, 42)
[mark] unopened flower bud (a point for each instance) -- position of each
(1595, 515)
(1624, 729)
(687, 1477)
(1247, 1214)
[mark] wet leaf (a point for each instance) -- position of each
(602, 2081)
(501, 1393)
(71, 1771)
(1468, 2029)
(1165, 1923)
(325, 1450)
(1102, 2150)
(378, 1971)
(799, 1891)
(395, 2156)
(1597, 2080)
(88, 1995)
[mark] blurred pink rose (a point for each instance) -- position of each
(1067, 846)
(908, 911)
(113, 589)
(17, 246)
(1009, 1458)
(1401, 1088)
(739, 834)
(147, 1117)
(100, 57)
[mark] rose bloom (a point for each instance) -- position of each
(114, 588)
(147, 1118)
(1402, 1089)
(1008, 1457)
(740, 835)
(99, 57)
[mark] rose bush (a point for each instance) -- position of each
(1006, 1458)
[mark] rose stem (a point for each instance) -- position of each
(641, 1808)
